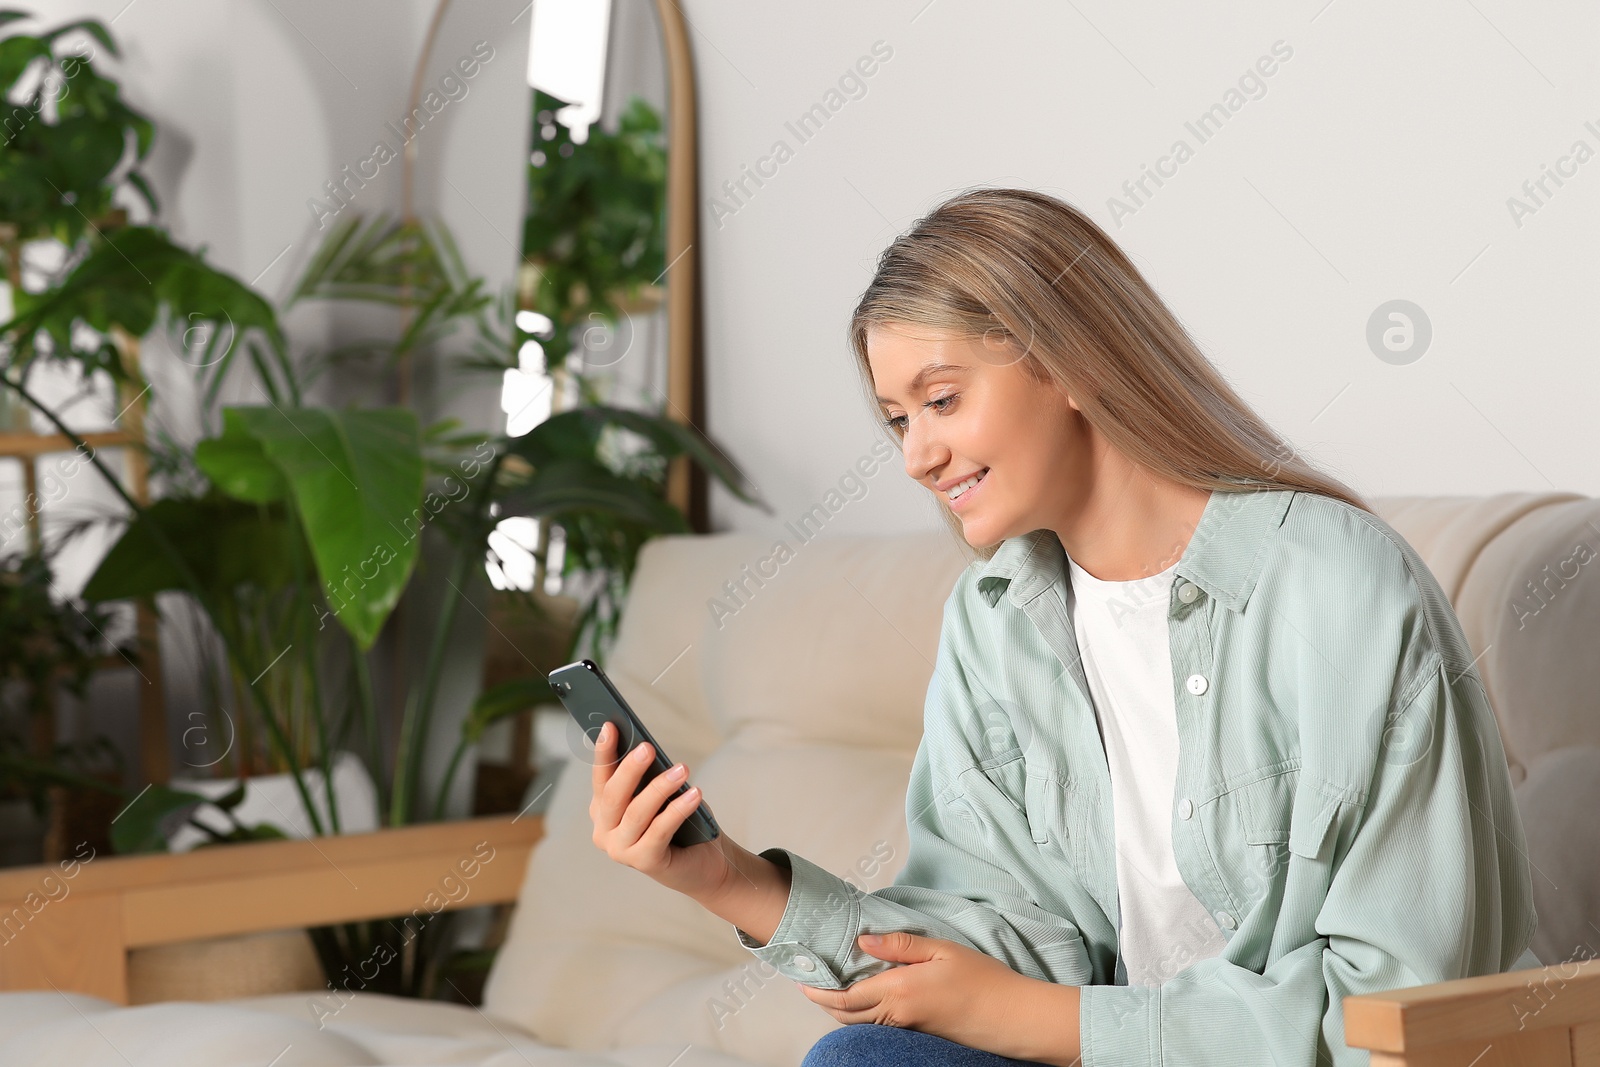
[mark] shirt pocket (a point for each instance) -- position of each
(1264, 808)
(1008, 775)
(1036, 793)
(1316, 819)
(1047, 810)
(1255, 826)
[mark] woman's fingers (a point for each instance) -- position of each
(625, 776)
(614, 779)
(636, 819)
(605, 744)
(659, 836)
(624, 822)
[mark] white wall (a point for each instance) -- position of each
(1377, 165)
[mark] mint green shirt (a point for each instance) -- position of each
(1342, 808)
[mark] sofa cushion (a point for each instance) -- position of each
(815, 667)
(1512, 565)
(48, 1029)
(1534, 604)
(837, 647)
(1558, 802)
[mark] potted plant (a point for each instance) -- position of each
(296, 529)
(69, 175)
(298, 516)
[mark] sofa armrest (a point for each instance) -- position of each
(1543, 1017)
(70, 926)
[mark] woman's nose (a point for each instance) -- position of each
(921, 448)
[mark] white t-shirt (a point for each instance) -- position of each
(1122, 637)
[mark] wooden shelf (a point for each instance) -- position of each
(25, 445)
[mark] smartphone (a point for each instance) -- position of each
(593, 701)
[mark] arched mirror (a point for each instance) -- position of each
(607, 312)
(606, 288)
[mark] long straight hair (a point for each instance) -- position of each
(1028, 270)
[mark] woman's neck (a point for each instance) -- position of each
(1131, 525)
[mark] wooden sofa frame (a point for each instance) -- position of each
(69, 926)
(72, 932)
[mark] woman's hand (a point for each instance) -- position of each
(637, 831)
(958, 993)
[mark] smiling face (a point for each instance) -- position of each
(964, 406)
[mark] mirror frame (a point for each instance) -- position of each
(686, 483)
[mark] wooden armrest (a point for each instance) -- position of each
(1533, 1018)
(70, 926)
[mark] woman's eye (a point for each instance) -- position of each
(938, 403)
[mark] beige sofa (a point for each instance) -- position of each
(794, 691)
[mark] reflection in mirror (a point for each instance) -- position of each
(591, 290)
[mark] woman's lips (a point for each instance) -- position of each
(964, 501)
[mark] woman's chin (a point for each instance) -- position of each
(977, 533)
(981, 531)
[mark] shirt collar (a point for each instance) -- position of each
(1224, 555)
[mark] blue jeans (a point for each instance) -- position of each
(871, 1045)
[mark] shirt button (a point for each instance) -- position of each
(1189, 592)
(1185, 808)
(1225, 920)
(805, 963)
(1197, 684)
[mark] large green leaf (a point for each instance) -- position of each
(142, 826)
(237, 464)
(356, 478)
(128, 281)
(225, 543)
(575, 434)
(564, 486)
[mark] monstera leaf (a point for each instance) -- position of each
(128, 281)
(224, 542)
(355, 480)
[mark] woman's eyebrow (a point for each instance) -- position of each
(923, 374)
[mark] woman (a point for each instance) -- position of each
(1204, 750)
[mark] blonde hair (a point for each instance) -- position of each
(1024, 268)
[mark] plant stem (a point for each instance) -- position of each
(419, 709)
(413, 728)
(369, 714)
(320, 721)
(449, 778)
(276, 737)
(299, 627)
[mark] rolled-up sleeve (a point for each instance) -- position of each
(965, 840)
(1427, 880)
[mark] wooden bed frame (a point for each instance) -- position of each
(73, 931)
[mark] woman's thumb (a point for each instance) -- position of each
(900, 946)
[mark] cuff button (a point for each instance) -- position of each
(805, 963)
